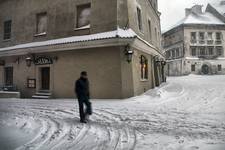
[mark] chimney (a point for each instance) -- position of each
(195, 9)
(187, 12)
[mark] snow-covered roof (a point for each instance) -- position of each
(119, 33)
(203, 18)
(219, 6)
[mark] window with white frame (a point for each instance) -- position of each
(201, 36)
(219, 50)
(193, 37)
(218, 36)
(83, 16)
(193, 51)
(210, 50)
(210, 36)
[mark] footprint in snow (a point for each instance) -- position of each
(194, 147)
(181, 141)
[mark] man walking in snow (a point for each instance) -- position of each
(82, 92)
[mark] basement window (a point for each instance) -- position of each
(31, 83)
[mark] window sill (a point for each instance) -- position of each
(6, 40)
(40, 34)
(82, 28)
(144, 80)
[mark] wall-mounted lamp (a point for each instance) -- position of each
(163, 63)
(129, 53)
(29, 61)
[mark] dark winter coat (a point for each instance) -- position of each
(82, 89)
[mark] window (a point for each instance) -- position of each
(150, 29)
(210, 36)
(193, 37)
(202, 51)
(83, 16)
(201, 36)
(156, 37)
(168, 54)
(192, 68)
(139, 19)
(218, 36)
(144, 68)
(41, 23)
(219, 50)
(193, 51)
(177, 52)
(7, 29)
(31, 83)
(9, 76)
(219, 67)
(210, 50)
(173, 54)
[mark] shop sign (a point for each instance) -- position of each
(43, 61)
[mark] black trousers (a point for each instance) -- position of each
(83, 112)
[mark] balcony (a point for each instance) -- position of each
(209, 42)
(201, 41)
(193, 41)
(208, 56)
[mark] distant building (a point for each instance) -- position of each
(196, 44)
(45, 44)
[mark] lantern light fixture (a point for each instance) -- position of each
(129, 53)
(28, 61)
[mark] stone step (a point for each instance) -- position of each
(40, 97)
(43, 94)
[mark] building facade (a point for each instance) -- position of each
(196, 44)
(44, 49)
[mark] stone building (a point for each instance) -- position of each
(45, 44)
(196, 44)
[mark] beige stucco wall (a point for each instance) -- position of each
(102, 65)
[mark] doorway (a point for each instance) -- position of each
(8, 76)
(45, 78)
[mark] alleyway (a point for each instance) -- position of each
(187, 113)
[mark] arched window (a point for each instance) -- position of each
(144, 67)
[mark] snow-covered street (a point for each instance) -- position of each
(186, 113)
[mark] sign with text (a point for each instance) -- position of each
(43, 61)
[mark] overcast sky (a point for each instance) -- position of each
(174, 10)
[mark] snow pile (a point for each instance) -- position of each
(187, 113)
